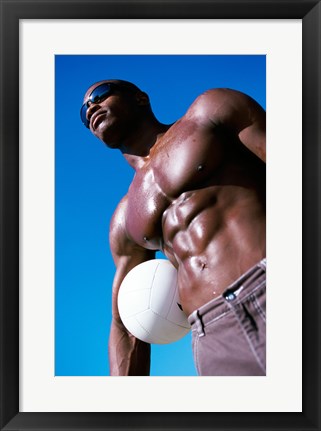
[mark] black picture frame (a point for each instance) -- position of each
(11, 12)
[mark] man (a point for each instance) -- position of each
(198, 195)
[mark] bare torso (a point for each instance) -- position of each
(200, 198)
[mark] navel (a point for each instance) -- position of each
(203, 266)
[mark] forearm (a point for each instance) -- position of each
(128, 356)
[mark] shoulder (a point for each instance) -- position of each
(222, 96)
(221, 105)
(215, 97)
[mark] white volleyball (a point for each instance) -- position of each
(149, 304)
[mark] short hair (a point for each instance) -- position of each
(132, 88)
(125, 84)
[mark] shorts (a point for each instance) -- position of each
(229, 332)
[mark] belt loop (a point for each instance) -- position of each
(198, 323)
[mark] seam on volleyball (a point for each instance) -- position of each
(165, 318)
(151, 287)
(170, 307)
(155, 312)
(148, 332)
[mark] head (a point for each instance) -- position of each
(113, 109)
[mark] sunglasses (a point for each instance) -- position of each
(98, 94)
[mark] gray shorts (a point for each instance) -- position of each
(228, 332)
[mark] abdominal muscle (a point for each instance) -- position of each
(212, 236)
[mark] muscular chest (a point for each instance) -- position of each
(183, 160)
(145, 206)
(186, 158)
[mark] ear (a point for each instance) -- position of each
(142, 98)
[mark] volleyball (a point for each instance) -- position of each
(149, 304)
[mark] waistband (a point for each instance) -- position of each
(236, 292)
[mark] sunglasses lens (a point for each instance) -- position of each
(99, 93)
(83, 115)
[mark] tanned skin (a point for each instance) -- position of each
(198, 195)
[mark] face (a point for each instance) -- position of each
(110, 111)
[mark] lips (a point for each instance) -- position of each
(96, 119)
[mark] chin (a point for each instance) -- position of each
(109, 141)
(107, 136)
(113, 145)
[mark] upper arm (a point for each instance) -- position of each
(126, 253)
(236, 111)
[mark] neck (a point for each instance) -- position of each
(137, 148)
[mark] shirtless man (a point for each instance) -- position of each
(198, 195)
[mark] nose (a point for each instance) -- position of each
(91, 110)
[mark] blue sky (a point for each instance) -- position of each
(90, 179)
